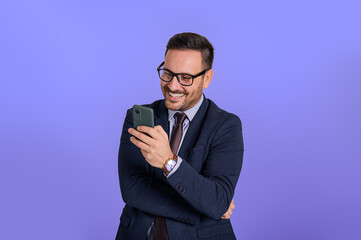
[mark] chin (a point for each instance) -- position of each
(175, 106)
(172, 106)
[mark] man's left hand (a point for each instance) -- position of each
(229, 212)
(154, 146)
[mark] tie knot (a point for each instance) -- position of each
(181, 116)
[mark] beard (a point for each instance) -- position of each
(188, 101)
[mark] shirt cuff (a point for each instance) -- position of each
(175, 167)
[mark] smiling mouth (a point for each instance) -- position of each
(176, 95)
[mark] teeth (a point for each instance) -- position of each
(176, 95)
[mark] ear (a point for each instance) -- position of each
(207, 78)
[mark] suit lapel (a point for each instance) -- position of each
(161, 118)
(193, 130)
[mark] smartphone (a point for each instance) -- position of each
(143, 116)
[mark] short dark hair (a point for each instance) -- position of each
(193, 41)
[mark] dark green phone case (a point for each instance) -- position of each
(142, 116)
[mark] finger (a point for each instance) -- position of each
(141, 136)
(161, 131)
(226, 215)
(140, 144)
(232, 206)
(150, 131)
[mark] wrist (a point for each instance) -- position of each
(169, 164)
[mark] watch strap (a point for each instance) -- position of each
(164, 168)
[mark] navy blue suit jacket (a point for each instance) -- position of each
(194, 197)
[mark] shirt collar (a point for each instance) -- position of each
(189, 112)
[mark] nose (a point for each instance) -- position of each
(174, 85)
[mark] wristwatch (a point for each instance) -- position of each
(170, 164)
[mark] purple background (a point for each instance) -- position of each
(290, 69)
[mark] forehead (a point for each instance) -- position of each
(185, 61)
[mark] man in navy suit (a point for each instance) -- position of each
(178, 178)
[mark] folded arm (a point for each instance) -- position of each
(211, 192)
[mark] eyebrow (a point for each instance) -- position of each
(178, 73)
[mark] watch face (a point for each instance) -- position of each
(170, 165)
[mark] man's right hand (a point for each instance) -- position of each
(228, 214)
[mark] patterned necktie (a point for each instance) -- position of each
(177, 132)
(160, 229)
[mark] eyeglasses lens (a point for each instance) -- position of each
(167, 76)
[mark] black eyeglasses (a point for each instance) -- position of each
(184, 79)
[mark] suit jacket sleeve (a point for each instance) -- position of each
(211, 191)
(141, 190)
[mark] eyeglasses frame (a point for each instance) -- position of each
(176, 75)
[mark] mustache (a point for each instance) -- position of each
(175, 92)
